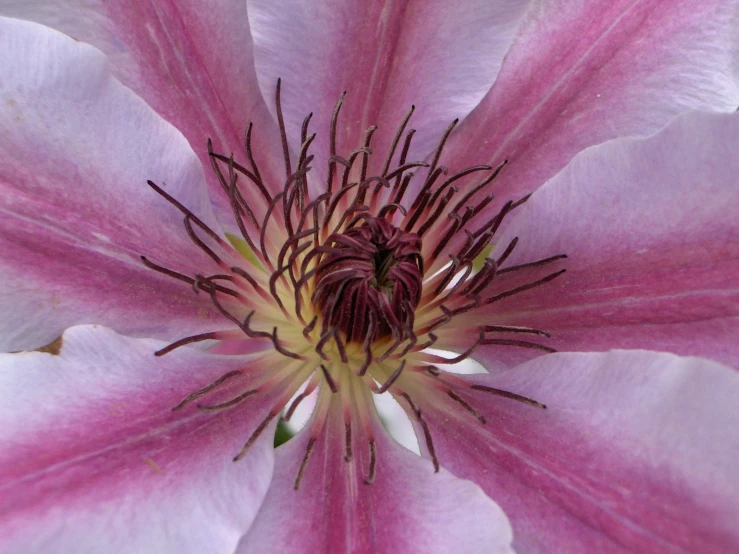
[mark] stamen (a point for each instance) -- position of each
(442, 143)
(454, 396)
(187, 340)
(522, 288)
(456, 177)
(533, 264)
(179, 276)
(392, 379)
(522, 343)
(429, 343)
(304, 462)
(329, 380)
(283, 133)
(509, 395)
(367, 344)
(281, 349)
(403, 168)
(200, 243)
(309, 328)
(322, 342)
(255, 435)
(298, 399)
(263, 232)
(332, 141)
(347, 441)
(425, 191)
(394, 144)
(479, 187)
(402, 188)
(373, 463)
(514, 329)
(365, 155)
(426, 431)
(258, 181)
(439, 209)
(228, 404)
(464, 355)
(252, 333)
(507, 252)
(206, 389)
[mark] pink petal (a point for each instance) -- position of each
(440, 57)
(581, 73)
(94, 459)
(190, 60)
(652, 238)
(635, 452)
(408, 508)
(77, 213)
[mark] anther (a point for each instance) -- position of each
(509, 395)
(228, 404)
(329, 380)
(371, 474)
(304, 462)
(391, 379)
(187, 340)
(525, 287)
(521, 343)
(454, 396)
(347, 441)
(206, 389)
(255, 435)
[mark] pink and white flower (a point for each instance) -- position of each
(584, 202)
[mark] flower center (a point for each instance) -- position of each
(349, 285)
(369, 280)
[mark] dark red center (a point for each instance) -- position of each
(369, 281)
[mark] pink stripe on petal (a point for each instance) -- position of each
(408, 507)
(635, 452)
(77, 213)
(94, 457)
(388, 56)
(191, 61)
(651, 234)
(583, 72)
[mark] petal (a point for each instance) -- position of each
(94, 459)
(77, 213)
(652, 238)
(191, 61)
(581, 73)
(408, 508)
(440, 57)
(635, 452)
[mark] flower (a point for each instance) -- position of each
(128, 440)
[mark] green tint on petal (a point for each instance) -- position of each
(478, 262)
(244, 249)
(282, 434)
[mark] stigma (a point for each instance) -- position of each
(369, 280)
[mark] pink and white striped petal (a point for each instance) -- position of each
(191, 61)
(636, 452)
(93, 456)
(583, 72)
(652, 238)
(76, 212)
(440, 57)
(408, 507)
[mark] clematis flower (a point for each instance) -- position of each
(193, 247)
